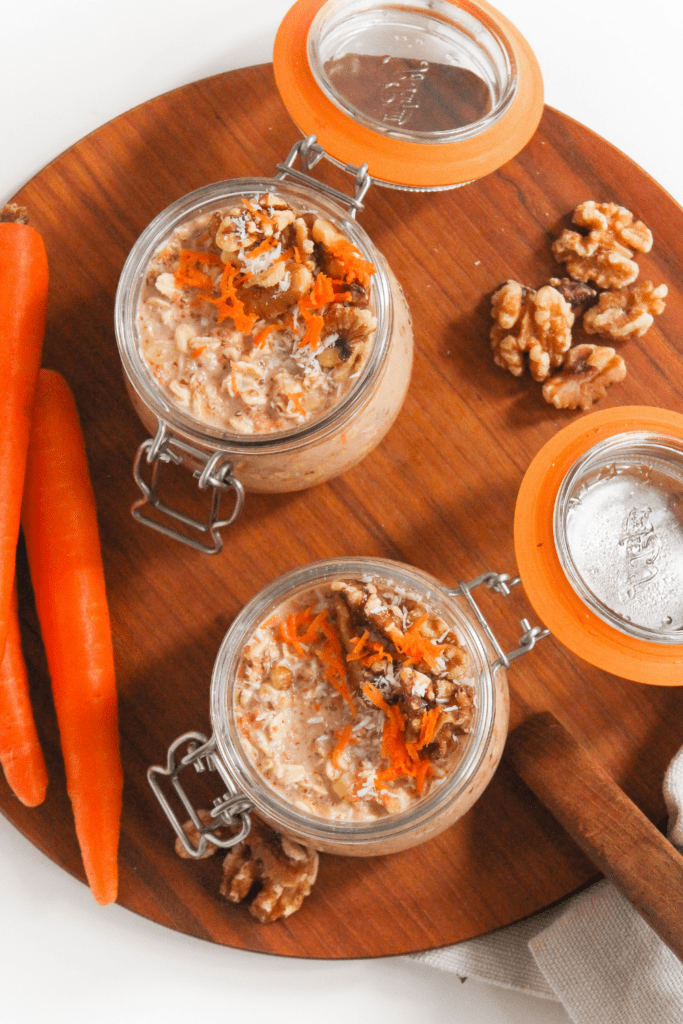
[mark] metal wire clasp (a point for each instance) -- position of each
(229, 810)
(216, 473)
(502, 584)
(309, 152)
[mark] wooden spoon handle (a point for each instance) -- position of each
(609, 828)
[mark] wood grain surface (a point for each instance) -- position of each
(438, 493)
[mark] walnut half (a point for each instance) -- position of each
(626, 313)
(538, 323)
(587, 372)
(285, 870)
(604, 254)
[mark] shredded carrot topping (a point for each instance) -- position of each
(430, 721)
(339, 295)
(367, 651)
(355, 267)
(417, 647)
(265, 246)
(258, 213)
(189, 275)
(359, 648)
(329, 652)
(297, 397)
(403, 757)
(229, 305)
(344, 738)
(314, 325)
(260, 336)
(320, 294)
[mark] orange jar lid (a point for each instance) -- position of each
(546, 582)
(429, 93)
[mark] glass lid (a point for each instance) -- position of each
(425, 71)
(429, 94)
(618, 528)
(599, 541)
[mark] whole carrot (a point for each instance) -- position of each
(20, 753)
(62, 541)
(23, 301)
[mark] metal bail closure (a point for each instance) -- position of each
(216, 473)
(231, 809)
(502, 584)
(310, 153)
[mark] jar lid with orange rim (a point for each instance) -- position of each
(599, 541)
(430, 94)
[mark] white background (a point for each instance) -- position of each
(66, 68)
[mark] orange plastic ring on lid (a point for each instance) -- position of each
(555, 600)
(437, 160)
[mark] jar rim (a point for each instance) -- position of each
(191, 428)
(245, 776)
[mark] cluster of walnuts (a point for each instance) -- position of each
(534, 326)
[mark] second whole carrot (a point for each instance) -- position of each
(63, 546)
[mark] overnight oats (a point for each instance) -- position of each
(255, 318)
(257, 322)
(356, 704)
(353, 698)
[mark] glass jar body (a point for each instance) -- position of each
(321, 448)
(443, 803)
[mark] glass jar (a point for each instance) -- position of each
(381, 133)
(599, 541)
(247, 789)
(284, 460)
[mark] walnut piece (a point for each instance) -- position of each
(194, 835)
(353, 328)
(604, 254)
(578, 294)
(626, 313)
(538, 323)
(587, 372)
(285, 869)
(13, 213)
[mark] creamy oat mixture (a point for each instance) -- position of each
(351, 699)
(256, 317)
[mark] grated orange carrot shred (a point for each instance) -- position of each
(355, 267)
(189, 275)
(314, 325)
(417, 647)
(261, 336)
(229, 305)
(329, 652)
(297, 398)
(264, 246)
(404, 758)
(257, 212)
(428, 726)
(345, 738)
(359, 647)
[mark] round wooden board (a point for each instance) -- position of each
(438, 493)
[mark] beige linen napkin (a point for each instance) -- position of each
(593, 953)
